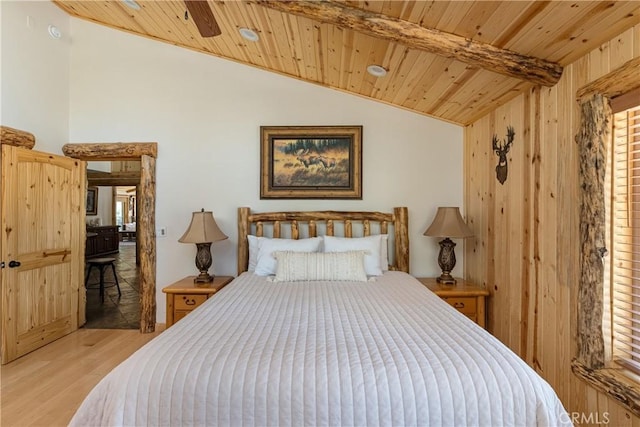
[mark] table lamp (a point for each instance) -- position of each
(203, 231)
(448, 223)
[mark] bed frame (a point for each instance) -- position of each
(279, 221)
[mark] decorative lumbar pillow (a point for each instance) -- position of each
(370, 244)
(266, 263)
(308, 266)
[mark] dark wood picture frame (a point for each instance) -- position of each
(92, 201)
(311, 162)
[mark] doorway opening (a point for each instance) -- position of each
(144, 179)
(117, 305)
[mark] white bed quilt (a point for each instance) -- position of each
(260, 353)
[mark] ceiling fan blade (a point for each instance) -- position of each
(202, 15)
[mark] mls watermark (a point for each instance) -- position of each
(588, 418)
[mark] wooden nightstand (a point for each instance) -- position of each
(467, 298)
(184, 296)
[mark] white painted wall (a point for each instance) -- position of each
(105, 205)
(205, 113)
(34, 84)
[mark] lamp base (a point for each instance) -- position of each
(203, 262)
(446, 261)
(446, 279)
(203, 278)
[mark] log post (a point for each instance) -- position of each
(592, 139)
(401, 230)
(243, 245)
(16, 137)
(146, 234)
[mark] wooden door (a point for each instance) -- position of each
(43, 233)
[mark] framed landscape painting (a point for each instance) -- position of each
(92, 201)
(311, 162)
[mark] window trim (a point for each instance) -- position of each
(594, 134)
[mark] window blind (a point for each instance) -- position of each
(624, 222)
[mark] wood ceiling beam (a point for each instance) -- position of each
(111, 150)
(622, 79)
(112, 179)
(16, 137)
(483, 55)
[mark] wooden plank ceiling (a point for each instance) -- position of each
(334, 51)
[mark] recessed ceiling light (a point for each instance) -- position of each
(376, 70)
(132, 4)
(249, 34)
(54, 32)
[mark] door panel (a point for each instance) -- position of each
(43, 199)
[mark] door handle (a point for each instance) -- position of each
(13, 264)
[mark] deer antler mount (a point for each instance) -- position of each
(501, 148)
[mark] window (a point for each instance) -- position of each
(119, 212)
(594, 337)
(622, 266)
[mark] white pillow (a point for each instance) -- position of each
(307, 266)
(266, 263)
(370, 244)
(384, 252)
(253, 251)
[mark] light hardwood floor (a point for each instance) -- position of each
(45, 387)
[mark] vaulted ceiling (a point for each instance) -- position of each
(453, 60)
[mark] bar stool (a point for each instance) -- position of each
(101, 264)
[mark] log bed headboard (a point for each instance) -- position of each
(309, 221)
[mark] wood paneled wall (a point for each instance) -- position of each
(526, 249)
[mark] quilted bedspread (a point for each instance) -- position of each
(383, 352)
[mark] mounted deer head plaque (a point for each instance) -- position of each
(501, 148)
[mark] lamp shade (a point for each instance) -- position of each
(448, 223)
(203, 229)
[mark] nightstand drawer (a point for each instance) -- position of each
(185, 295)
(466, 297)
(179, 314)
(466, 305)
(188, 302)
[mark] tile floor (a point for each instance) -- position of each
(116, 312)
